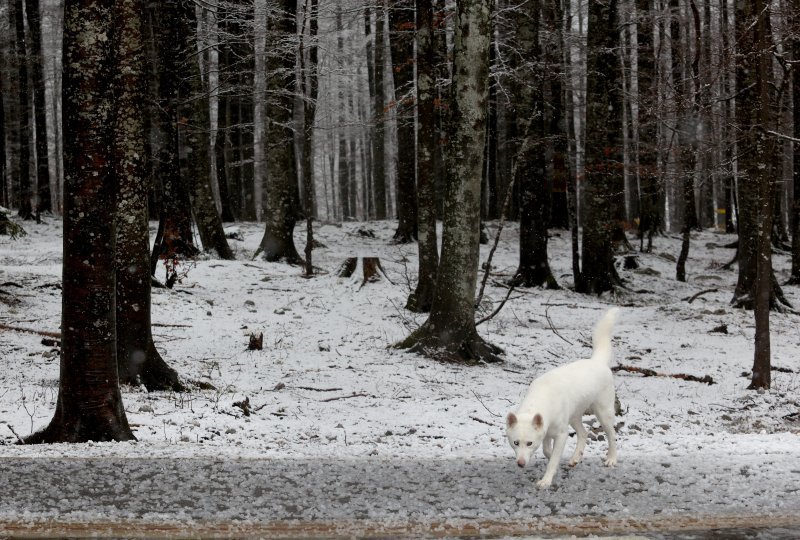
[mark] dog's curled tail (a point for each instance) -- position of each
(601, 339)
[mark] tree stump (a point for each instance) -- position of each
(371, 269)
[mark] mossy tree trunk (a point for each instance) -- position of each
(449, 334)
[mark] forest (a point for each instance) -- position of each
(250, 226)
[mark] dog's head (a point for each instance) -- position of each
(525, 434)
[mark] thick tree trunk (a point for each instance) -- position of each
(138, 360)
(278, 241)
(449, 334)
(89, 404)
(420, 300)
(530, 171)
(401, 37)
(604, 161)
(24, 185)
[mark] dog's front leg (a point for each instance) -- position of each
(552, 465)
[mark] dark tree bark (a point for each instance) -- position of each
(449, 334)
(197, 140)
(754, 115)
(401, 38)
(4, 191)
(647, 154)
(530, 171)
(43, 200)
(138, 360)
(310, 90)
(689, 120)
(89, 405)
(24, 185)
(421, 299)
(176, 209)
(278, 241)
(379, 116)
(604, 162)
(795, 276)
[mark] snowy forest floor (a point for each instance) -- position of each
(326, 387)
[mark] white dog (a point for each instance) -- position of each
(559, 398)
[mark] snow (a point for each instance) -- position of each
(328, 386)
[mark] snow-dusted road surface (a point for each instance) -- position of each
(373, 497)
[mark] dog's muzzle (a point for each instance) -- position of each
(520, 462)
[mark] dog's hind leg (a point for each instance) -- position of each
(547, 447)
(581, 434)
(605, 415)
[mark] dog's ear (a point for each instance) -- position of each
(511, 419)
(537, 421)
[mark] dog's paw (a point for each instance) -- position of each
(573, 462)
(544, 483)
(610, 461)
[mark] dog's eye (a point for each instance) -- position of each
(516, 443)
(530, 443)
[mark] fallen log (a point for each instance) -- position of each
(44, 333)
(707, 379)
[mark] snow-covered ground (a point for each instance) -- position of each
(326, 383)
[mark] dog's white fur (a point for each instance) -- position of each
(559, 398)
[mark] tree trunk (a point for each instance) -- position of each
(310, 88)
(176, 212)
(795, 276)
(420, 300)
(35, 62)
(278, 241)
(24, 186)
(195, 107)
(530, 170)
(604, 160)
(401, 38)
(89, 405)
(379, 116)
(688, 136)
(138, 360)
(754, 114)
(449, 333)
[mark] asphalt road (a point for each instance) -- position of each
(383, 497)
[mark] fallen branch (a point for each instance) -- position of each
(698, 295)
(481, 420)
(652, 373)
(162, 325)
(360, 394)
(44, 333)
(317, 389)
